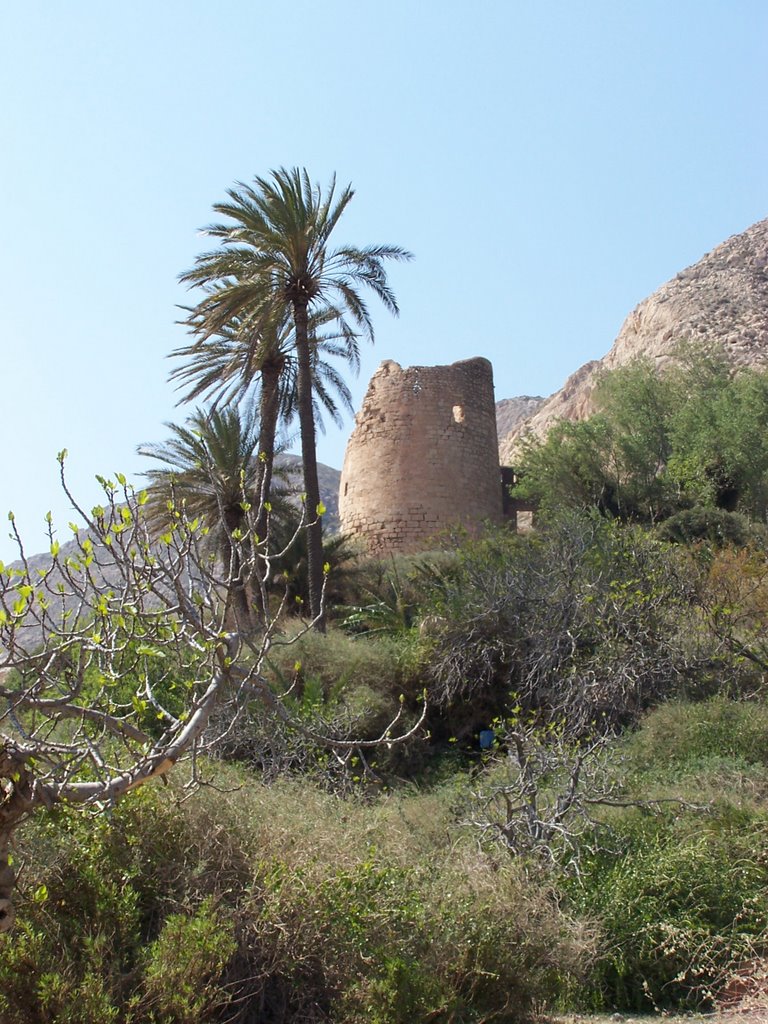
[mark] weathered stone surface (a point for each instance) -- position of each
(511, 411)
(722, 299)
(422, 456)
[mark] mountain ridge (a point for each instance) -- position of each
(722, 299)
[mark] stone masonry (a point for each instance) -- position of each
(423, 456)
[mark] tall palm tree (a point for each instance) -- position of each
(275, 260)
(210, 466)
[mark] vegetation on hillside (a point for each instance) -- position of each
(602, 850)
(691, 438)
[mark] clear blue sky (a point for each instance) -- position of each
(549, 163)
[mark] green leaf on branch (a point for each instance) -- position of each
(40, 895)
(150, 651)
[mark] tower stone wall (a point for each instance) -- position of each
(423, 456)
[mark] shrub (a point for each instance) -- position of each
(587, 622)
(280, 903)
(189, 953)
(683, 736)
(334, 664)
(732, 593)
(682, 904)
(353, 686)
(658, 442)
(714, 525)
(394, 592)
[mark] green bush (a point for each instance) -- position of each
(681, 903)
(95, 896)
(394, 593)
(189, 953)
(714, 525)
(280, 903)
(658, 443)
(334, 665)
(682, 737)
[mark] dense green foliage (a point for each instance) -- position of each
(275, 904)
(682, 895)
(682, 905)
(283, 901)
(582, 823)
(692, 436)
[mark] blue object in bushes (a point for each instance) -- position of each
(486, 739)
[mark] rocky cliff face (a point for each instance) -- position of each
(511, 411)
(722, 299)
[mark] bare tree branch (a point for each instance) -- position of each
(115, 654)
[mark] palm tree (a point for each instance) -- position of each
(275, 261)
(210, 467)
(237, 366)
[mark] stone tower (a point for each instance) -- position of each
(423, 456)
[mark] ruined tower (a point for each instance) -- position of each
(423, 456)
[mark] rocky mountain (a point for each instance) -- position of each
(722, 299)
(511, 411)
(329, 480)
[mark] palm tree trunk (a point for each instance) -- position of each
(309, 462)
(269, 409)
(237, 614)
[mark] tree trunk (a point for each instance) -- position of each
(269, 409)
(238, 614)
(16, 802)
(7, 884)
(309, 461)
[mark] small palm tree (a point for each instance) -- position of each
(275, 262)
(234, 366)
(211, 468)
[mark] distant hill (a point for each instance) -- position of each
(329, 494)
(328, 479)
(722, 299)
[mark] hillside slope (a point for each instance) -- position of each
(722, 299)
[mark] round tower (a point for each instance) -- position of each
(423, 456)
